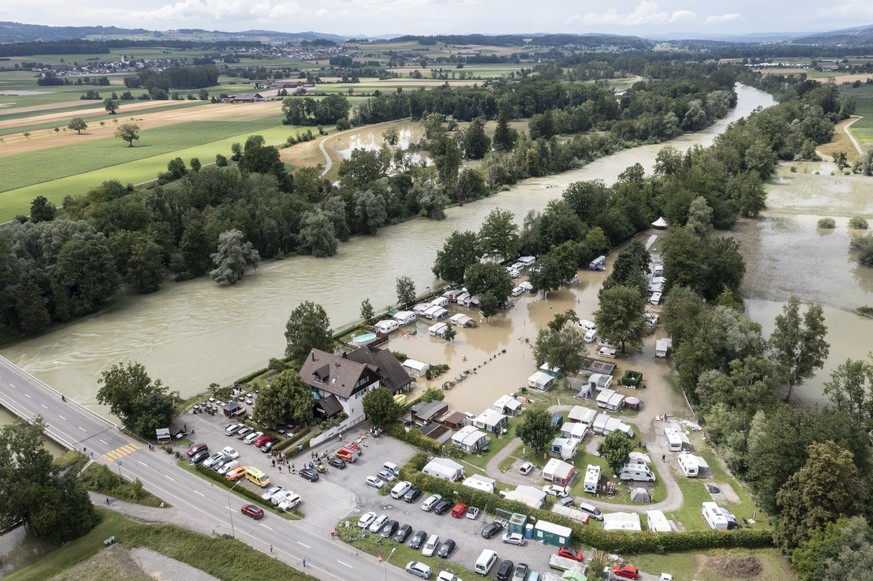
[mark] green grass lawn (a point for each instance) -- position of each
(863, 96)
(494, 446)
(134, 165)
(702, 566)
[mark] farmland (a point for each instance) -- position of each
(863, 96)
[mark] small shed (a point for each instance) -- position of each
(417, 368)
(491, 421)
(622, 521)
(424, 412)
(540, 381)
(517, 523)
(552, 534)
(662, 347)
(600, 381)
(610, 400)
(455, 420)
(508, 405)
(233, 408)
(162, 435)
(657, 522)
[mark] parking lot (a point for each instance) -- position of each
(341, 493)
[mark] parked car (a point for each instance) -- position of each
(256, 512)
(366, 519)
(520, 572)
(447, 576)
(268, 445)
(514, 539)
(491, 529)
(209, 462)
(253, 437)
(403, 533)
(472, 513)
(375, 482)
(199, 456)
(388, 529)
(386, 475)
(570, 553)
(262, 439)
(443, 506)
(233, 429)
(230, 453)
(568, 501)
(418, 539)
(378, 523)
(243, 432)
(400, 489)
(280, 497)
(592, 510)
(554, 490)
(291, 502)
(504, 572)
(526, 468)
(412, 495)
(196, 449)
(446, 548)
(236, 473)
(309, 474)
(419, 569)
(220, 463)
(228, 466)
(268, 494)
(459, 510)
(626, 571)
(337, 463)
(430, 502)
(430, 547)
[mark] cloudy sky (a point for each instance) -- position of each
(377, 17)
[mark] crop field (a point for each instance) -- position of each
(863, 96)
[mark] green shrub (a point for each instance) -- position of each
(288, 441)
(631, 378)
(858, 223)
(826, 224)
(414, 437)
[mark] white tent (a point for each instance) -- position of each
(660, 223)
(413, 367)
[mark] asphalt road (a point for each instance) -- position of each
(78, 428)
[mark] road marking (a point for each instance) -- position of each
(304, 544)
(83, 429)
(27, 394)
(170, 477)
(143, 463)
(43, 405)
(346, 564)
(120, 452)
(200, 493)
(269, 529)
(62, 417)
(104, 441)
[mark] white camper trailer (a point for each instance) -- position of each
(674, 440)
(592, 478)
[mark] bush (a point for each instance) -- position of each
(215, 476)
(863, 245)
(288, 441)
(826, 224)
(858, 223)
(631, 378)
(414, 437)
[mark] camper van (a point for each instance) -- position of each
(717, 518)
(598, 263)
(404, 317)
(655, 299)
(485, 562)
(386, 326)
(674, 440)
(637, 473)
(592, 478)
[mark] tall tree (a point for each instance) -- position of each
(459, 252)
(488, 278)
(128, 132)
(55, 508)
(41, 210)
(498, 235)
(798, 344)
(476, 143)
(317, 235)
(547, 275)
(851, 388)
(405, 291)
(561, 346)
(142, 405)
(367, 313)
(621, 317)
(380, 407)
(827, 488)
(536, 429)
(86, 272)
(78, 125)
(504, 136)
(308, 328)
(111, 106)
(615, 449)
(234, 255)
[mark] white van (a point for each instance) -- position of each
(656, 299)
(392, 467)
(485, 562)
(400, 489)
(590, 336)
(587, 325)
(637, 473)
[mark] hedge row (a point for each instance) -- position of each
(415, 438)
(288, 441)
(611, 541)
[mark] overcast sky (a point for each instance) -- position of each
(377, 17)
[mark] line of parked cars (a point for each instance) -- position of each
(249, 436)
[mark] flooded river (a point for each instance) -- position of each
(195, 333)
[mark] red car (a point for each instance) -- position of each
(196, 448)
(570, 553)
(459, 510)
(262, 440)
(256, 512)
(626, 571)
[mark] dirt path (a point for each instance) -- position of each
(852, 137)
(16, 143)
(328, 162)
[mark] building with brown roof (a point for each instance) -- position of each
(345, 379)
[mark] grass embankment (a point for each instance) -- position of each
(375, 545)
(99, 478)
(718, 565)
(223, 557)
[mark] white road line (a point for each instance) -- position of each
(200, 493)
(27, 394)
(44, 406)
(81, 428)
(62, 417)
(170, 477)
(269, 529)
(346, 564)
(105, 442)
(304, 544)
(143, 463)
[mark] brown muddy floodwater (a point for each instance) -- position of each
(787, 255)
(194, 333)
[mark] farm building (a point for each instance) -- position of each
(622, 521)
(552, 534)
(470, 439)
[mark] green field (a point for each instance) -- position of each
(863, 96)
